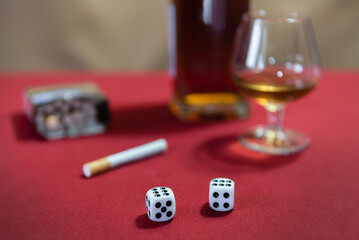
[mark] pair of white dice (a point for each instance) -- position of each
(161, 203)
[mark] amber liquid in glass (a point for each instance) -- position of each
(273, 86)
(200, 60)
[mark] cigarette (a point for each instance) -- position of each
(131, 155)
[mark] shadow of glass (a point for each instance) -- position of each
(143, 222)
(227, 154)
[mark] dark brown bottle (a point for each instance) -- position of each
(201, 42)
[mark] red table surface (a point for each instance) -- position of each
(312, 195)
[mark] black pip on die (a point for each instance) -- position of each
(221, 194)
(160, 204)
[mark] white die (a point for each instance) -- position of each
(221, 194)
(160, 204)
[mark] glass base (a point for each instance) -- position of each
(209, 106)
(274, 142)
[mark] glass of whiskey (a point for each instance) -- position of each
(276, 62)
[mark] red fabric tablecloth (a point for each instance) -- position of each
(312, 195)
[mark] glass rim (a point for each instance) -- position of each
(276, 16)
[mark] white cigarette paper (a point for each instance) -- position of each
(134, 154)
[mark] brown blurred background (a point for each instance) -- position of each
(111, 35)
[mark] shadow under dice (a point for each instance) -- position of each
(221, 194)
(160, 204)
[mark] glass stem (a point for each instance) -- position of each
(275, 116)
(274, 133)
